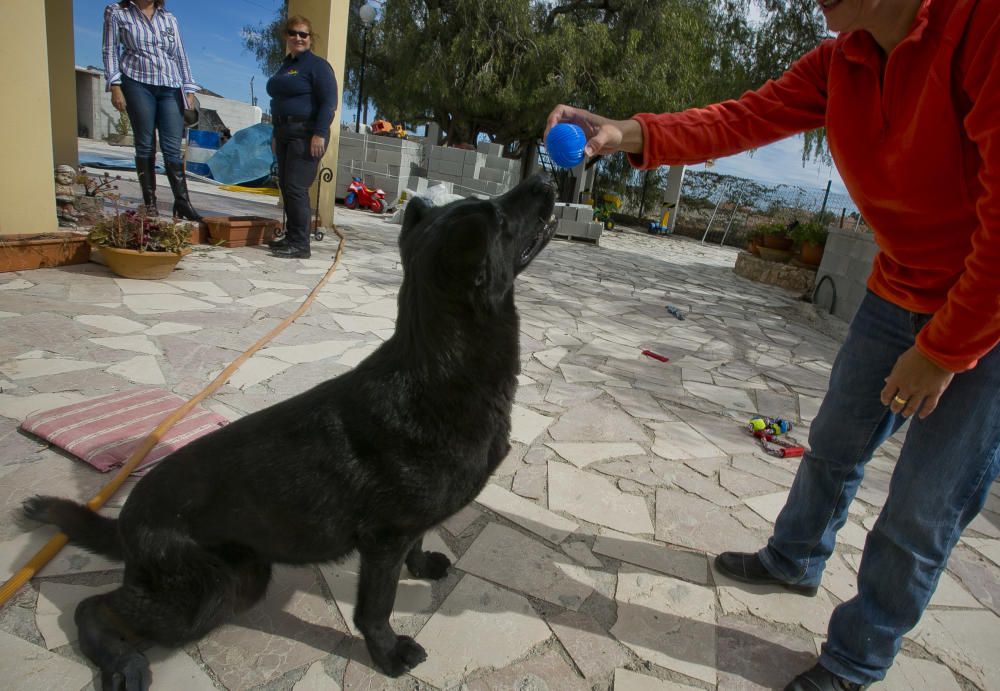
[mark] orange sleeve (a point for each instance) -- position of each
(967, 327)
(793, 103)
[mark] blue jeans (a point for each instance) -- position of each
(941, 481)
(154, 108)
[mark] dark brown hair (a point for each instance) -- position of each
(158, 4)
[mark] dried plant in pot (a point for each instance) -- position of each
(138, 246)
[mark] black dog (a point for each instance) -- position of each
(369, 460)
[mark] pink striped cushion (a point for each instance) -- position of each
(105, 431)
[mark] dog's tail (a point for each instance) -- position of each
(83, 526)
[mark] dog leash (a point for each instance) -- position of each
(767, 430)
(59, 540)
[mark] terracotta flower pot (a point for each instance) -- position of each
(141, 265)
(199, 233)
(41, 250)
(776, 242)
(240, 231)
(811, 253)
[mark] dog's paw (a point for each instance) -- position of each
(406, 655)
(37, 508)
(127, 673)
(432, 565)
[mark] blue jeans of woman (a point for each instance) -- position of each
(154, 108)
(941, 480)
(296, 172)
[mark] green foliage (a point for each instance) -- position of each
(131, 230)
(812, 232)
(496, 69)
(779, 229)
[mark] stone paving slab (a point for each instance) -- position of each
(583, 564)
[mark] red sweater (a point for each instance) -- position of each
(918, 147)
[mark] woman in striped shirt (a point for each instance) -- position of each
(147, 70)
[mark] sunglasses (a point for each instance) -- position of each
(300, 34)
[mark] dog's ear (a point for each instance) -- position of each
(416, 209)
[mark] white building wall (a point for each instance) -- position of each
(236, 114)
(95, 112)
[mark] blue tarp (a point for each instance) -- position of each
(111, 163)
(245, 159)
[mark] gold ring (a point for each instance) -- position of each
(900, 401)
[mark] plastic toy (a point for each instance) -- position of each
(380, 126)
(656, 356)
(565, 144)
(774, 426)
(767, 429)
(360, 194)
(662, 227)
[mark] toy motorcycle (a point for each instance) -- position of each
(361, 195)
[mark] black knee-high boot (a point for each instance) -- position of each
(182, 203)
(146, 170)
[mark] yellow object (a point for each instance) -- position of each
(270, 191)
(59, 540)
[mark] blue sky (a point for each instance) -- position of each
(211, 32)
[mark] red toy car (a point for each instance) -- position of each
(360, 194)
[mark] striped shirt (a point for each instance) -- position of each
(148, 51)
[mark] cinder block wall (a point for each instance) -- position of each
(847, 260)
(576, 221)
(395, 165)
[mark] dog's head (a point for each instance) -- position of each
(469, 251)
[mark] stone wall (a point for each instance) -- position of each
(788, 276)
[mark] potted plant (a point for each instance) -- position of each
(138, 246)
(27, 251)
(811, 238)
(775, 236)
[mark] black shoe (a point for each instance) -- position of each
(178, 184)
(819, 678)
(279, 242)
(748, 568)
(289, 252)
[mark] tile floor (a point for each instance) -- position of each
(585, 564)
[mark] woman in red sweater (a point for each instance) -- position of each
(909, 93)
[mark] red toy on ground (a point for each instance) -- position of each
(361, 195)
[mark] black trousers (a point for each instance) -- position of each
(296, 172)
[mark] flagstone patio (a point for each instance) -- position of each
(584, 564)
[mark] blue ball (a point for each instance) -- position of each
(565, 145)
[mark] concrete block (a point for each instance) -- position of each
(449, 154)
(491, 175)
(447, 185)
(451, 168)
(489, 148)
(497, 163)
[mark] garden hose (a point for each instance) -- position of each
(59, 540)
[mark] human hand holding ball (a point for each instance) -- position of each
(600, 135)
(565, 143)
